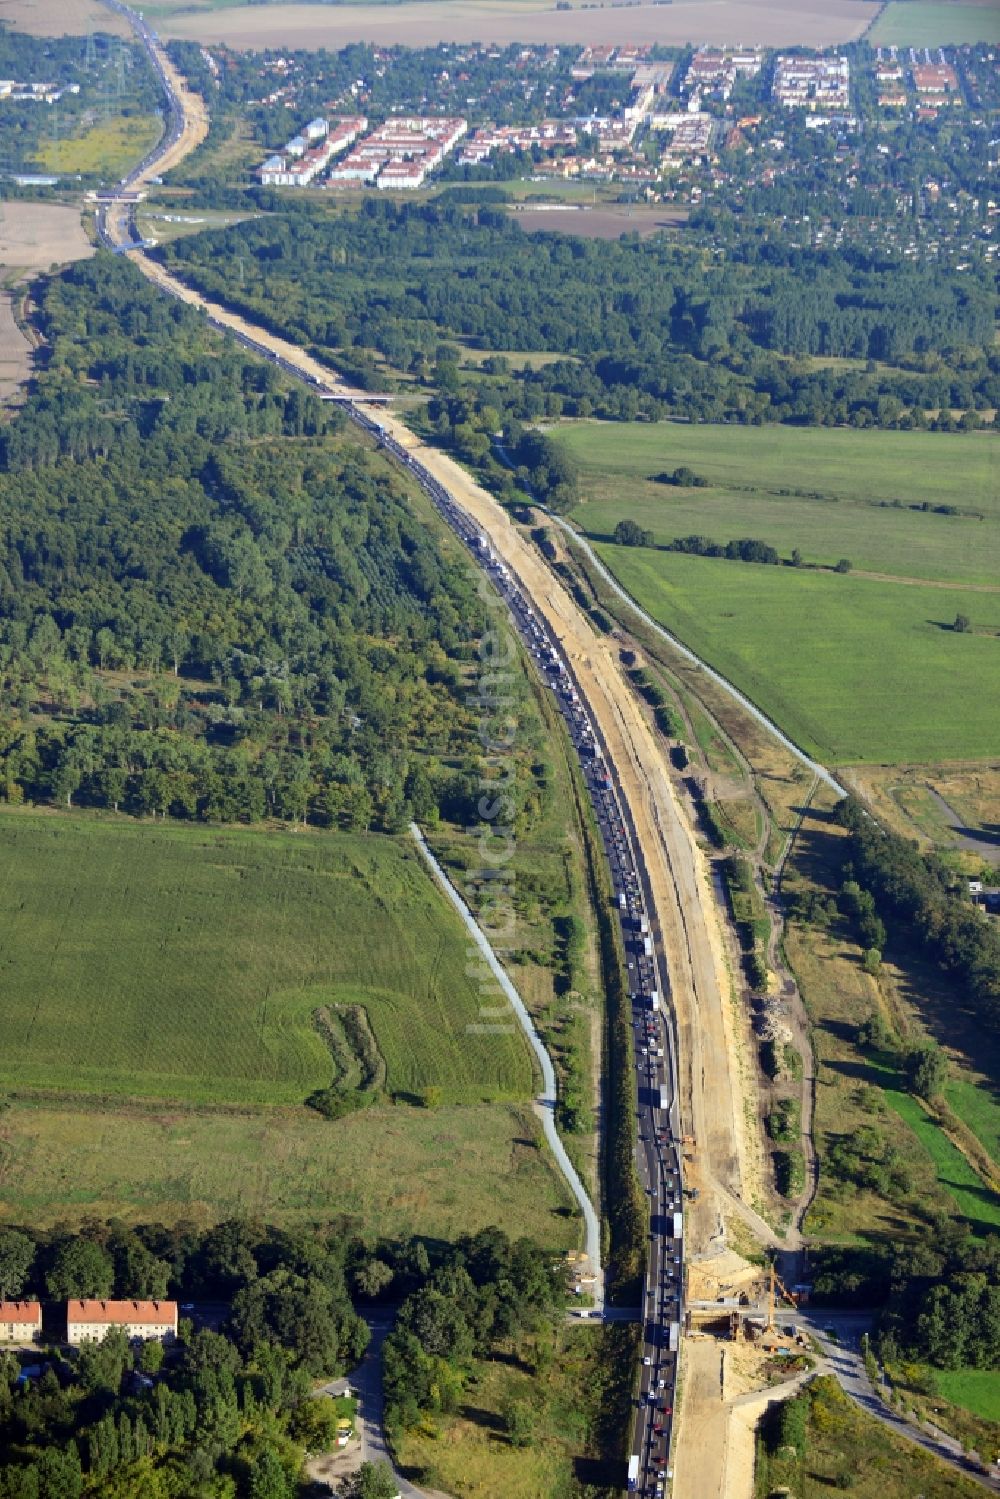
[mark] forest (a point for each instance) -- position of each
(211, 605)
(230, 1411)
(651, 328)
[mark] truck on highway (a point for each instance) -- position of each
(633, 1472)
(675, 1336)
(647, 946)
(664, 1098)
(654, 1000)
(678, 1225)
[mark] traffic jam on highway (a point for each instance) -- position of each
(659, 1146)
(126, 238)
(659, 1152)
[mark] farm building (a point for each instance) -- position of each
(20, 1321)
(90, 1321)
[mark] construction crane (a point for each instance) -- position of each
(775, 1284)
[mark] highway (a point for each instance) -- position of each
(658, 1151)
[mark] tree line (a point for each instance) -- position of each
(484, 1292)
(940, 1294)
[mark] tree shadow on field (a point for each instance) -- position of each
(843, 1030)
(818, 851)
(597, 1473)
(512, 1361)
(488, 1420)
(860, 1071)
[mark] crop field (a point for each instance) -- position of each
(106, 149)
(62, 17)
(33, 235)
(862, 666)
(14, 350)
(830, 493)
(810, 23)
(922, 23)
(164, 962)
(441, 1171)
(853, 669)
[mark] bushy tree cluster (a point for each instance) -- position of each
(223, 1414)
(924, 899)
(485, 1291)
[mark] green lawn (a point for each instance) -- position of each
(914, 23)
(975, 1390)
(177, 963)
(855, 670)
(975, 1201)
(977, 1107)
(813, 488)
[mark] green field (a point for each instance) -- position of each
(975, 1201)
(976, 1107)
(856, 667)
(854, 670)
(975, 1390)
(166, 962)
(106, 150)
(439, 1172)
(848, 472)
(914, 23)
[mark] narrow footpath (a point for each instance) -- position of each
(545, 1104)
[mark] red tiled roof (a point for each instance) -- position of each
(121, 1311)
(21, 1311)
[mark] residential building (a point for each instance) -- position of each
(91, 1321)
(20, 1321)
(813, 83)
